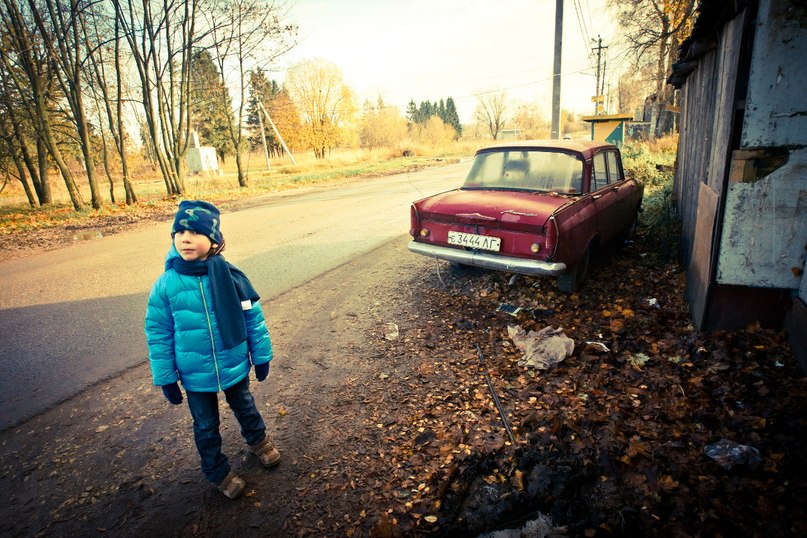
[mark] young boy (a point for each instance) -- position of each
(205, 328)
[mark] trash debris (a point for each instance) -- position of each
(542, 349)
(483, 367)
(727, 454)
(539, 527)
(390, 331)
(596, 347)
(509, 309)
(652, 301)
(512, 279)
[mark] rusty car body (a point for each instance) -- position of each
(531, 207)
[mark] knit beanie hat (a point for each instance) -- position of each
(200, 217)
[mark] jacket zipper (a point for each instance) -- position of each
(210, 331)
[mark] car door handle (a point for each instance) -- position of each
(615, 188)
(596, 196)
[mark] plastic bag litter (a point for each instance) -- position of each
(390, 331)
(542, 349)
(727, 454)
(509, 309)
(596, 347)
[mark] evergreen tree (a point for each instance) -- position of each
(262, 90)
(452, 117)
(412, 112)
(208, 116)
(446, 110)
(425, 112)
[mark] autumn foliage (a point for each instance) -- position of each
(607, 443)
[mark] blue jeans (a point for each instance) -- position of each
(204, 408)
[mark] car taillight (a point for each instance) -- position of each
(551, 235)
(414, 221)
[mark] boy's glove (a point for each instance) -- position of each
(172, 393)
(261, 371)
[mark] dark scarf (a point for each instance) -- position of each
(229, 286)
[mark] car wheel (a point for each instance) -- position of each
(571, 281)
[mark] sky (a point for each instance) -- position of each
(427, 50)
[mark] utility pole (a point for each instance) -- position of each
(597, 93)
(263, 139)
(277, 133)
(602, 84)
(555, 135)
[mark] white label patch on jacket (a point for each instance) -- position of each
(246, 305)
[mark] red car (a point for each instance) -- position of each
(532, 207)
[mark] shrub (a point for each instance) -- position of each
(652, 162)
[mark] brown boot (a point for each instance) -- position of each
(266, 452)
(232, 485)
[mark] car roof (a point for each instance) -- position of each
(584, 147)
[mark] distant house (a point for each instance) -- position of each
(509, 134)
(741, 171)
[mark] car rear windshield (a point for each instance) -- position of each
(518, 169)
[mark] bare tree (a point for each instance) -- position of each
(630, 92)
(491, 109)
(531, 121)
(324, 102)
(101, 38)
(28, 70)
(654, 29)
(243, 34)
(60, 31)
(161, 37)
(15, 154)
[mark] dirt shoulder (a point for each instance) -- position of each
(400, 435)
(118, 459)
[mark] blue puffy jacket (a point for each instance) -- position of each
(184, 339)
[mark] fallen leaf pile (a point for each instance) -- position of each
(416, 418)
(610, 442)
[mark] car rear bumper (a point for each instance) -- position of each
(489, 261)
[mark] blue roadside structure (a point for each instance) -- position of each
(608, 127)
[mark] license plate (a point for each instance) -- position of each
(482, 242)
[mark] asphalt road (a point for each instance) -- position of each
(74, 316)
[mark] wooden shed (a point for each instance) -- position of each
(741, 170)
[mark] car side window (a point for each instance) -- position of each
(613, 168)
(600, 173)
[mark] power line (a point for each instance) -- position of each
(581, 23)
(588, 9)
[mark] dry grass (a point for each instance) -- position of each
(283, 174)
(339, 165)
